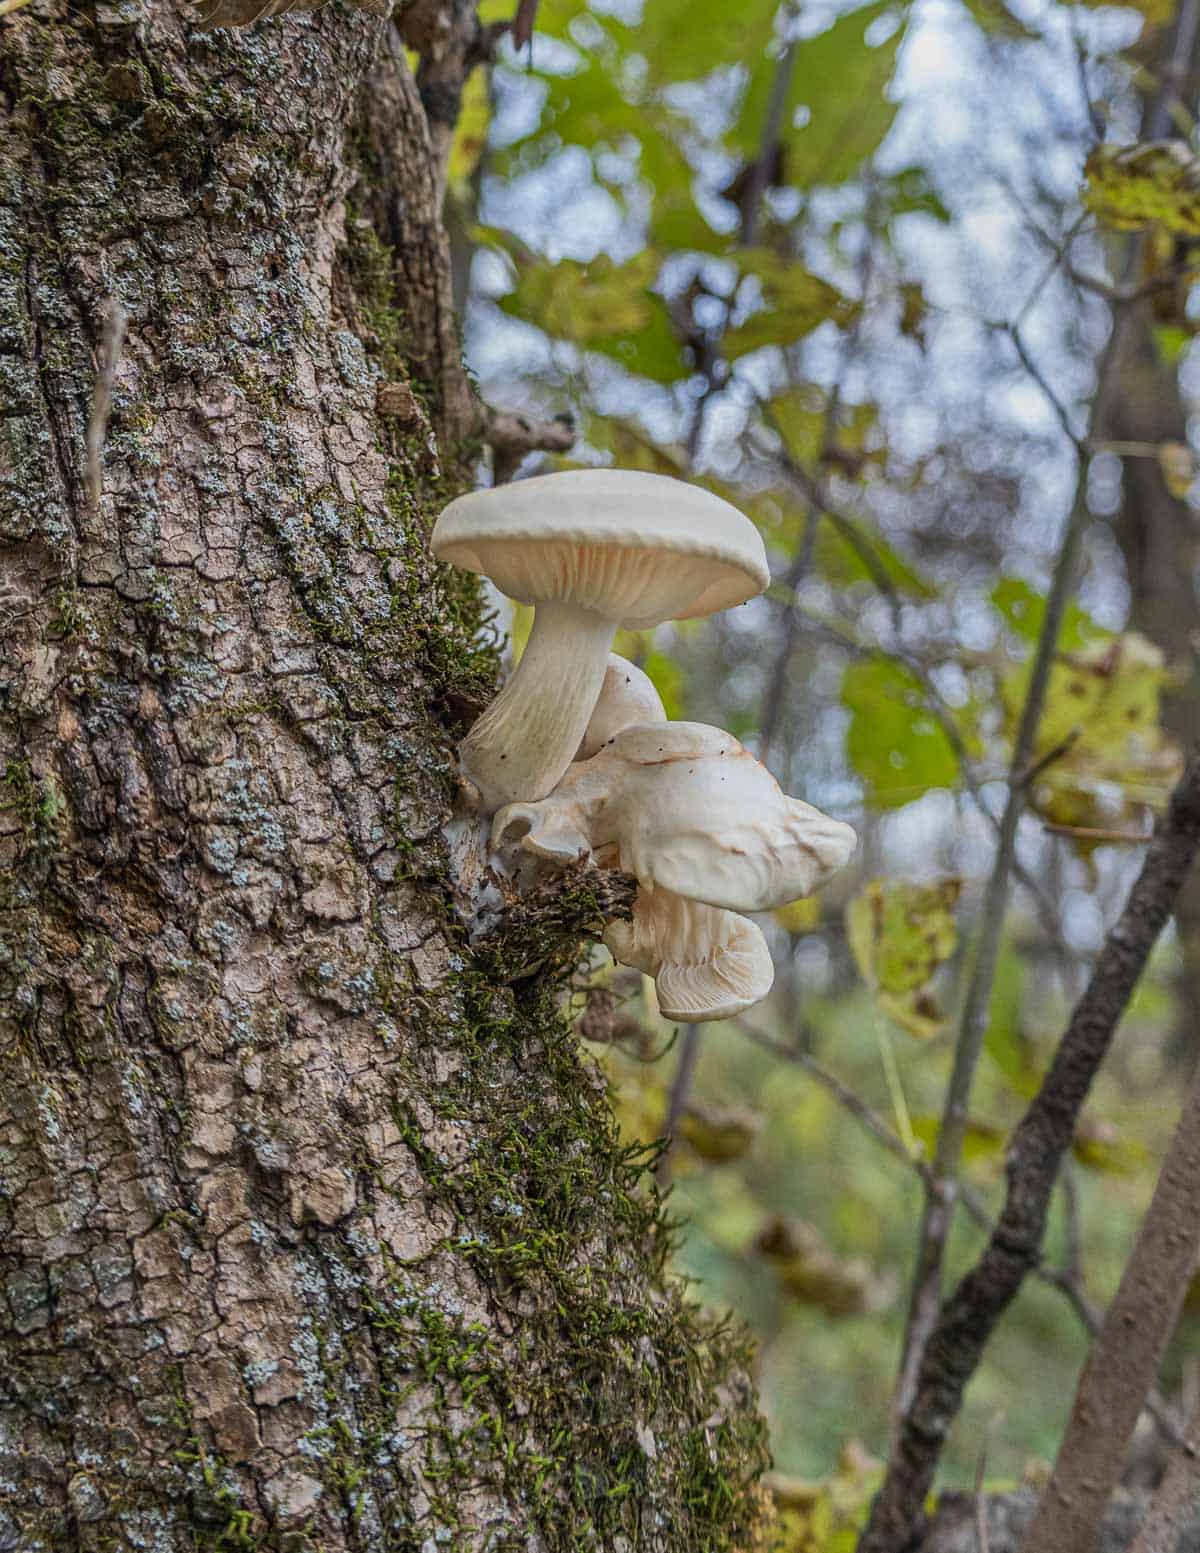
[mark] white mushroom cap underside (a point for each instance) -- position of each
(706, 963)
(634, 547)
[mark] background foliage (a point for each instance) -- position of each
(860, 269)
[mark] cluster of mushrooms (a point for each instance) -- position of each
(575, 758)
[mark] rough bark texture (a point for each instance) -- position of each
(1124, 1359)
(314, 1233)
(1159, 540)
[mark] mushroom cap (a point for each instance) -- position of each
(699, 816)
(627, 696)
(636, 548)
(686, 809)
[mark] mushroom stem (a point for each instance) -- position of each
(528, 736)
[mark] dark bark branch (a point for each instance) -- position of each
(966, 1321)
(1126, 1355)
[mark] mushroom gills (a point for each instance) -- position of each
(707, 963)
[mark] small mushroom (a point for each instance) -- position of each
(707, 833)
(707, 963)
(593, 549)
(627, 696)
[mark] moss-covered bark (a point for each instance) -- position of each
(314, 1232)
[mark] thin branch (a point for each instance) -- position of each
(939, 1207)
(1128, 1351)
(965, 1323)
(1035, 372)
(760, 174)
(685, 1071)
(1066, 1280)
(864, 1114)
(1175, 72)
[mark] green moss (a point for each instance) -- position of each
(39, 803)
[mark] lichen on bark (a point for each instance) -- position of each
(314, 1231)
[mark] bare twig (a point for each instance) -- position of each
(1056, 404)
(939, 1207)
(854, 1104)
(677, 1100)
(964, 1325)
(522, 26)
(759, 177)
(1094, 833)
(1066, 1280)
(112, 338)
(1127, 1352)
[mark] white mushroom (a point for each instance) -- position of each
(707, 963)
(627, 696)
(701, 824)
(593, 549)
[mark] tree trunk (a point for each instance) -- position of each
(314, 1232)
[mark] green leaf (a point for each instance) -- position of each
(900, 936)
(676, 224)
(1113, 760)
(1024, 609)
(684, 40)
(718, 1133)
(1171, 342)
(893, 742)
(793, 303)
(605, 307)
(909, 192)
(982, 1143)
(1132, 186)
(841, 80)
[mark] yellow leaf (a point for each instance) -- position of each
(813, 1274)
(1134, 186)
(799, 917)
(900, 935)
(718, 1133)
(1178, 465)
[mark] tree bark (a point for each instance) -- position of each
(314, 1232)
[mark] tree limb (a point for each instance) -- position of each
(1128, 1351)
(966, 1321)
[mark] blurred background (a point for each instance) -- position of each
(907, 284)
